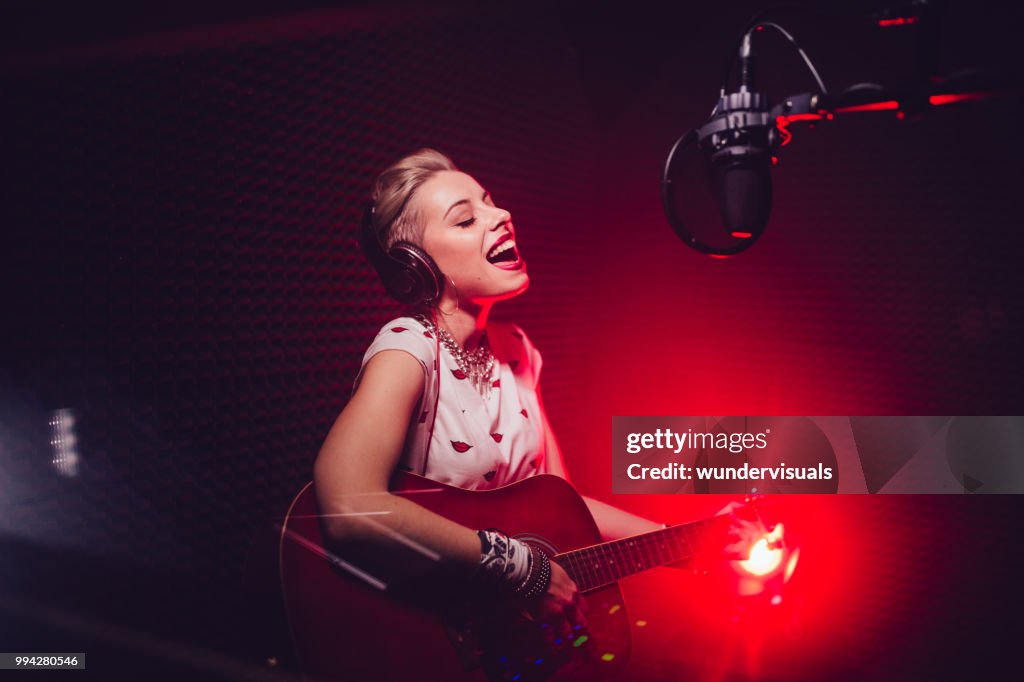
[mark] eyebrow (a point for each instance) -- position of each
(465, 201)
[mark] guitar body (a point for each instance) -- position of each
(346, 626)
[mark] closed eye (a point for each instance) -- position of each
(466, 223)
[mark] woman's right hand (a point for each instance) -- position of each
(561, 609)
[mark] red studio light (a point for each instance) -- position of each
(770, 564)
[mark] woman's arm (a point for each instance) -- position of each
(354, 466)
(613, 522)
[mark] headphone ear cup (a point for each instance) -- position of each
(409, 274)
(418, 280)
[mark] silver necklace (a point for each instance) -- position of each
(475, 364)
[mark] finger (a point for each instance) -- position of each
(736, 551)
(576, 618)
(581, 621)
(565, 629)
(582, 604)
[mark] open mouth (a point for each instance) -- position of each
(504, 254)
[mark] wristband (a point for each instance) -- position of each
(504, 561)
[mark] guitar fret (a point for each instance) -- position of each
(628, 566)
(606, 559)
(614, 561)
(658, 546)
(608, 564)
(652, 550)
(586, 572)
(636, 556)
(590, 569)
(571, 562)
(626, 559)
(689, 542)
(643, 558)
(597, 566)
(682, 542)
(568, 562)
(646, 556)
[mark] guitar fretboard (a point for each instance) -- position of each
(598, 565)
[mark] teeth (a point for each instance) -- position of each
(501, 248)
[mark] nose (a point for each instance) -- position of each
(504, 218)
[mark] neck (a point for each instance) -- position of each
(464, 320)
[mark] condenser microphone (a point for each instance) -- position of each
(738, 142)
(716, 188)
(734, 150)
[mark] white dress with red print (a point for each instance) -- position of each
(478, 443)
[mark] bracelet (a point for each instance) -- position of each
(539, 578)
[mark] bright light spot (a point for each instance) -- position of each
(614, 609)
(762, 560)
(791, 565)
(65, 445)
(776, 600)
(641, 623)
(608, 657)
(765, 556)
(580, 640)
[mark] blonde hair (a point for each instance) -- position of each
(394, 187)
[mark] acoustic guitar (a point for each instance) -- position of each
(348, 623)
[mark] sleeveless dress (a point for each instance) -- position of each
(477, 443)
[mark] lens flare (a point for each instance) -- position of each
(765, 555)
(791, 565)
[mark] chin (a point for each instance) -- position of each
(512, 293)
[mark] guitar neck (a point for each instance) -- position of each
(598, 565)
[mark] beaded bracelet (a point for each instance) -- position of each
(539, 579)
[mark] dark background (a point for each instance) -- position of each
(180, 273)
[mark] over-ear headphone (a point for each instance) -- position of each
(409, 274)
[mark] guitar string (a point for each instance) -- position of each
(621, 555)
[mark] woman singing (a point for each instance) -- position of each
(451, 394)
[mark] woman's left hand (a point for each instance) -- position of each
(746, 529)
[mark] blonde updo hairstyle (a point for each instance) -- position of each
(393, 221)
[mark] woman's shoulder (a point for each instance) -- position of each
(405, 333)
